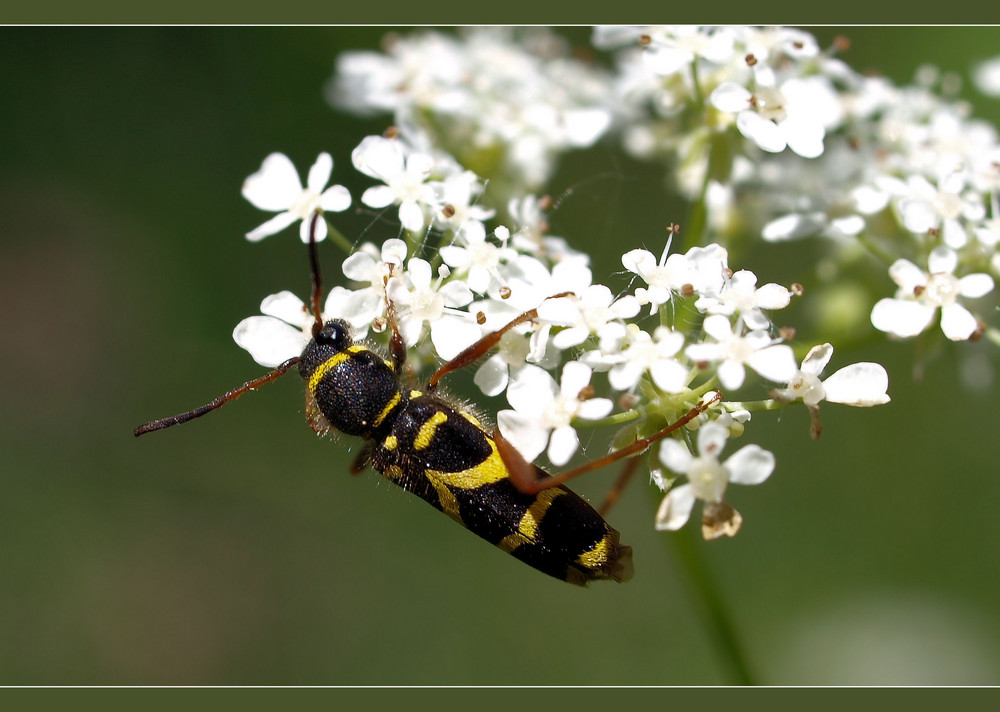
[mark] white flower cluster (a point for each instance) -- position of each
(486, 93)
(478, 282)
(901, 172)
(768, 136)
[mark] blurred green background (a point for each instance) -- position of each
(238, 550)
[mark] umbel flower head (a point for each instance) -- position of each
(767, 135)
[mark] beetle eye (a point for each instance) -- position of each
(335, 334)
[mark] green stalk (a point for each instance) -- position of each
(690, 554)
(337, 238)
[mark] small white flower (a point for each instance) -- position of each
(775, 362)
(707, 479)
(418, 298)
(860, 384)
(664, 277)
(921, 293)
(740, 295)
(585, 314)
(986, 77)
(493, 375)
(473, 255)
(405, 177)
(643, 353)
(544, 411)
(372, 267)
(456, 194)
(673, 48)
(795, 115)
(276, 187)
(945, 207)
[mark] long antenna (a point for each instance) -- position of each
(218, 402)
(317, 295)
(317, 278)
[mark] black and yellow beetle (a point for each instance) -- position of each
(438, 450)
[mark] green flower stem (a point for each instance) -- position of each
(337, 237)
(697, 222)
(766, 404)
(993, 335)
(874, 249)
(625, 416)
(689, 552)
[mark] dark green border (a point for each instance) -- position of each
(487, 699)
(438, 13)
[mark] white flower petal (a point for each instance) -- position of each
(359, 267)
(817, 359)
(456, 256)
(907, 275)
(974, 286)
(704, 352)
(804, 136)
(275, 186)
(718, 327)
(675, 509)
(378, 157)
(359, 307)
(584, 126)
(712, 439)
(523, 432)
(639, 261)
(625, 308)
(275, 225)
(902, 318)
(594, 408)
(568, 338)
(270, 341)
(378, 196)
(793, 226)
(319, 174)
(456, 294)
(411, 215)
(860, 384)
(675, 456)
(394, 251)
(287, 307)
(419, 273)
(750, 465)
(957, 322)
(773, 296)
(563, 445)
(562, 312)
(669, 375)
(918, 216)
(625, 375)
(764, 132)
(451, 336)
(575, 377)
(942, 259)
(531, 390)
(732, 374)
(492, 377)
(335, 199)
(775, 363)
(730, 97)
